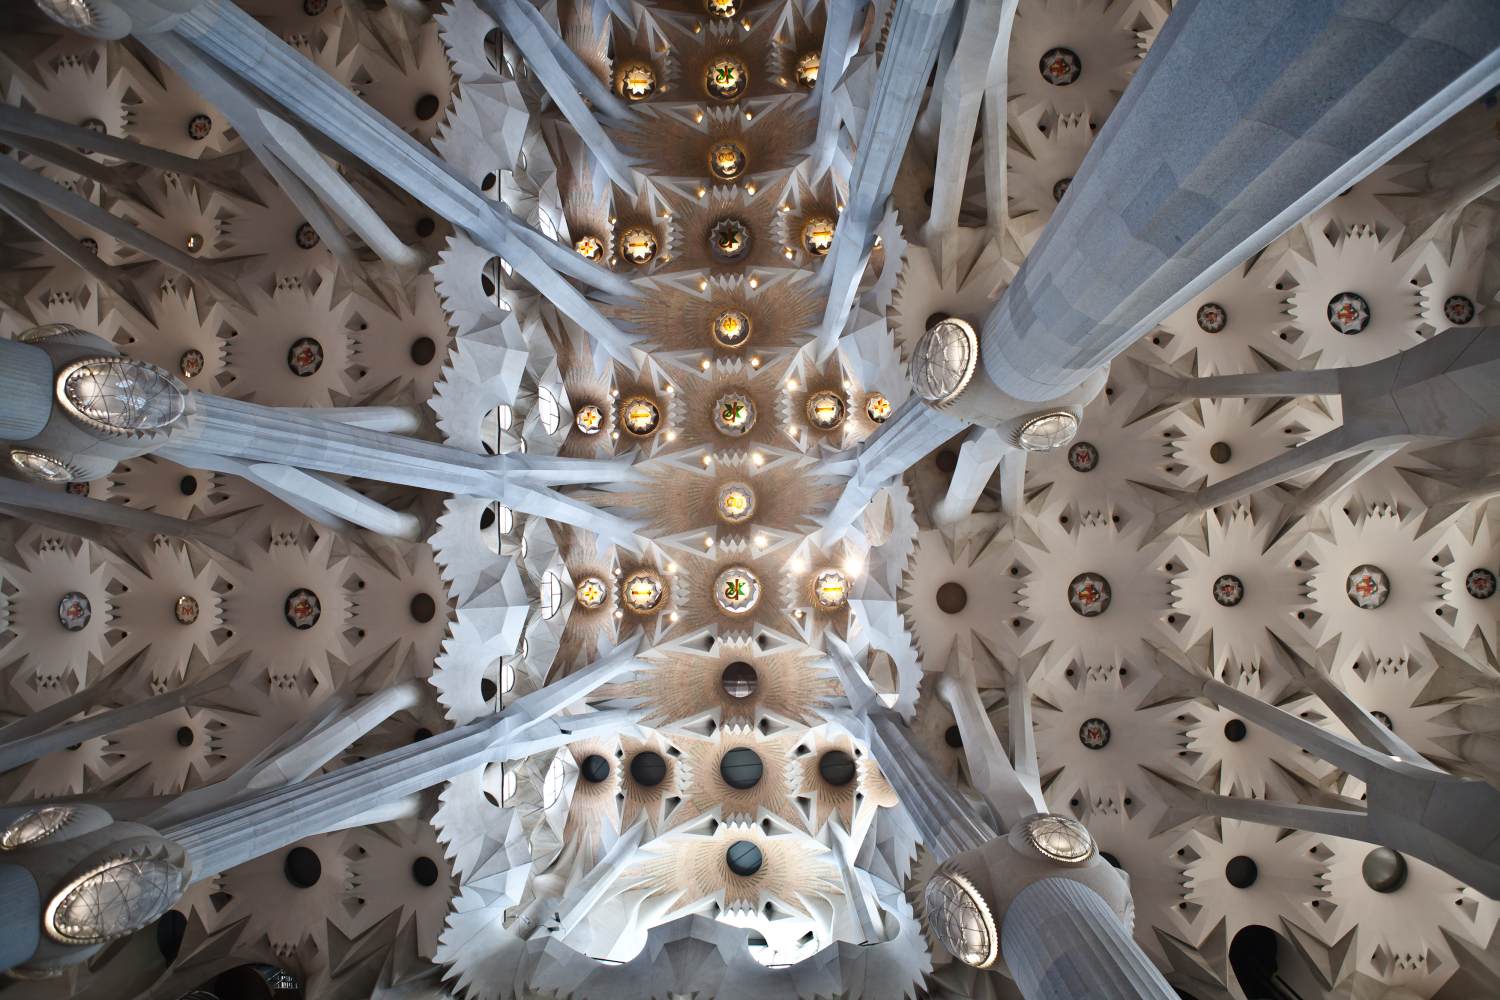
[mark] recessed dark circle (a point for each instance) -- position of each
(188, 485)
(427, 106)
(836, 767)
(256, 982)
(594, 768)
(425, 227)
(947, 461)
(739, 679)
(185, 736)
(487, 689)
(741, 768)
(424, 871)
(953, 737)
(170, 927)
(1241, 872)
(422, 733)
(1220, 452)
(952, 598)
(423, 608)
(302, 867)
(744, 858)
(423, 350)
(1234, 730)
(648, 768)
(1384, 870)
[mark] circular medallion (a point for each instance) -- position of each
(648, 768)
(1083, 457)
(729, 239)
(741, 768)
(303, 609)
(1384, 870)
(1212, 317)
(731, 328)
(589, 419)
(312, 8)
(90, 245)
(1220, 452)
(199, 127)
(1060, 66)
(640, 416)
(817, 236)
(739, 680)
(878, 408)
(1061, 188)
(190, 365)
(737, 590)
(807, 68)
(591, 593)
(77, 489)
(1229, 590)
(193, 242)
(307, 236)
(35, 826)
(1368, 587)
(825, 410)
(41, 466)
(1047, 431)
(722, 8)
(589, 248)
(1383, 719)
(944, 360)
(305, 357)
(638, 244)
(726, 160)
(726, 78)
(112, 899)
(1059, 838)
(1348, 313)
(1480, 583)
(74, 611)
(1458, 309)
(743, 858)
(734, 414)
(120, 395)
(594, 769)
(1094, 734)
(830, 590)
(736, 502)
(643, 592)
(635, 81)
(1089, 594)
(185, 609)
(961, 921)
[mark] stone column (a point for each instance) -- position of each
(1209, 156)
(1061, 941)
(25, 390)
(20, 915)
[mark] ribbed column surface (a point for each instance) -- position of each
(1063, 942)
(20, 915)
(25, 390)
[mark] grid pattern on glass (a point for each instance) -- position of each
(119, 394)
(960, 920)
(944, 361)
(112, 899)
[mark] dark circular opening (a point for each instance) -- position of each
(487, 689)
(744, 858)
(1220, 452)
(1241, 872)
(425, 227)
(739, 679)
(423, 350)
(423, 608)
(256, 982)
(486, 517)
(953, 737)
(836, 767)
(1234, 730)
(1384, 870)
(947, 461)
(648, 768)
(185, 736)
(421, 734)
(741, 768)
(952, 598)
(594, 768)
(170, 928)
(302, 867)
(424, 871)
(427, 106)
(488, 183)
(188, 485)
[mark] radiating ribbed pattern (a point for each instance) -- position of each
(20, 915)
(25, 390)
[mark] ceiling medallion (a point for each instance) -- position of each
(1094, 734)
(1229, 590)
(589, 419)
(41, 466)
(944, 361)
(35, 826)
(305, 357)
(74, 611)
(737, 590)
(591, 593)
(1368, 587)
(77, 489)
(635, 81)
(878, 408)
(303, 609)
(739, 680)
(743, 858)
(723, 8)
(1383, 719)
(589, 248)
(112, 899)
(960, 919)
(1212, 317)
(1089, 595)
(830, 590)
(640, 416)
(638, 244)
(1348, 313)
(643, 592)
(734, 414)
(199, 127)
(190, 365)
(307, 236)
(1060, 66)
(120, 395)
(193, 243)
(726, 78)
(825, 409)
(1083, 457)
(185, 609)
(726, 160)
(736, 502)
(1059, 838)
(817, 235)
(1047, 431)
(807, 68)
(731, 328)
(729, 239)
(1459, 310)
(1480, 584)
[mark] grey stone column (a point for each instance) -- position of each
(20, 915)
(1061, 941)
(25, 390)
(1236, 127)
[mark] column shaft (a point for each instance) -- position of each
(25, 390)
